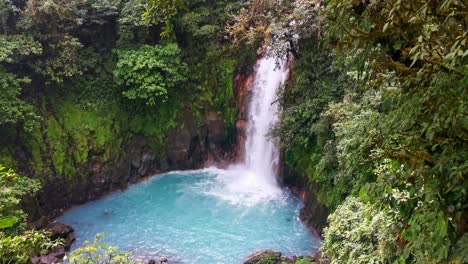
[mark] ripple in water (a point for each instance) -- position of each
(195, 217)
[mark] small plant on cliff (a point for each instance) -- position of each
(13, 188)
(18, 247)
(13, 110)
(97, 252)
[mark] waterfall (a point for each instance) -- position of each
(254, 180)
(261, 154)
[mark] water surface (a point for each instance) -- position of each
(194, 217)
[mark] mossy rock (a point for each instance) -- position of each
(303, 260)
(264, 257)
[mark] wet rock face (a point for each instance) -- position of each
(215, 129)
(53, 257)
(314, 214)
(179, 141)
(244, 84)
(40, 223)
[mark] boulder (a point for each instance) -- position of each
(263, 256)
(59, 230)
(160, 261)
(51, 257)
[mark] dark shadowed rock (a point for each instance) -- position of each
(40, 223)
(215, 128)
(49, 259)
(314, 214)
(180, 139)
(59, 252)
(160, 261)
(147, 159)
(69, 240)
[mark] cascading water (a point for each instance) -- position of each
(254, 180)
(262, 155)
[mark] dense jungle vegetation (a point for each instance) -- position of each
(374, 117)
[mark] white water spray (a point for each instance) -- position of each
(254, 180)
(261, 154)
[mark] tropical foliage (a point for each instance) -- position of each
(14, 188)
(21, 248)
(17, 246)
(359, 233)
(375, 111)
(396, 136)
(150, 73)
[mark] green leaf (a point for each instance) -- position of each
(8, 222)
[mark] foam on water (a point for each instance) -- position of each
(240, 186)
(177, 216)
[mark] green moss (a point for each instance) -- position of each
(268, 260)
(304, 261)
(154, 124)
(57, 141)
(227, 101)
(72, 134)
(34, 142)
(216, 91)
(6, 158)
(311, 164)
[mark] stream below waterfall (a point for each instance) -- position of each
(191, 217)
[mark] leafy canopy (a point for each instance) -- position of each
(163, 12)
(150, 73)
